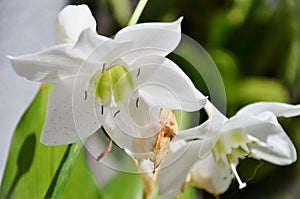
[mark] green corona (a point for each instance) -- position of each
(234, 145)
(113, 84)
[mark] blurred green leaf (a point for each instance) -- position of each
(186, 119)
(121, 10)
(293, 63)
(297, 24)
(227, 65)
(124, 186)
(254, 89)
(226, 21)
(31, 165)
(192, 58)
(189, 193)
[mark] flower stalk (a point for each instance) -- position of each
(137, 12)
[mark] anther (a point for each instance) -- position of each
(137, 102)
(258, 142)
(103, 67)
(85, 95)
(116, 113)
(138, 72)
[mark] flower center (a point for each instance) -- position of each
(113, 85)
(229, 148)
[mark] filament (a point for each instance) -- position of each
(236, 175)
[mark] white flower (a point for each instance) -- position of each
(101, 81)
(253, 132)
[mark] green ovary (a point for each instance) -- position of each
(114, 83)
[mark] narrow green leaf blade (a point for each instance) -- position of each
(63, 172)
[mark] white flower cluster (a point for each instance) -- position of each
(127, 86)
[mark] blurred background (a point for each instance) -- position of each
(256, 47)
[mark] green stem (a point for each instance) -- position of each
(137, 12)
(63, 171)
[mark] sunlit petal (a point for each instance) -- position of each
(150, 39)
(71, 21)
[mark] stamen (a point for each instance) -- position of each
(103, 67)
(138, 73)
(137, 102)
(236, 175)
(250, 151)
(85, 95)
(252, 138)
(107, 149)
(116, 113)
(258, 142)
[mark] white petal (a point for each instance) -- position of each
(49, 65)
(276, 146)
(71, 21)
(150, 38)
(72, 114)
(238, 122)
(164, 84)
(272, 144)
(175, 168)
(59, 127)
(136, 138)
(98, 51)
(209, 129)
(208, 132)
(115, 159)
(278, 149)
(64, 61)
(279, 109)
(87, 110)
(87, 42)
(206, 174)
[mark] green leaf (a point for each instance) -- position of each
(31, 165)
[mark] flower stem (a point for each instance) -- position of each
(137, 12)
(63, 171)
